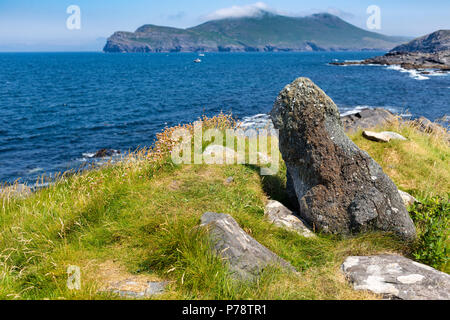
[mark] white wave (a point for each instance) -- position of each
(412, 73)
(35, 170)
(88, 155)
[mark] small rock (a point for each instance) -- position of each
(246, 256)
(394, 135)
(103, 153)
(229, 180)
(396, 277)
(384, 136)
(281, 216)
(134, 289)
(408, 199)
(376, 136)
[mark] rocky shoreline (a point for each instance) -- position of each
(429, 52)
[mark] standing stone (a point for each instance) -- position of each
(340, 188)
(246, 256)
(396, 277)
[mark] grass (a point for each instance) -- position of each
(140, 216)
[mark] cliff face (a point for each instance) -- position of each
(434, 42)
(265, 32)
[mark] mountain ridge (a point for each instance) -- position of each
(264, 32)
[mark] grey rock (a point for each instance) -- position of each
(134, 289)
(425, 125)
(375, 136)
(340, 188)
(396, 277)
(384, 136)
(229, 180)
(367, 119)
(103, 153)
(281, 216)
(393, 135)
(408, 199)
(246, 256)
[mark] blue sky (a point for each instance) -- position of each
(40, 25)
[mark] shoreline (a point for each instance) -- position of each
(358, 118)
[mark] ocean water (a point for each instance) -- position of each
(56, 109)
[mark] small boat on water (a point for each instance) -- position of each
(201, 55)
(197, 60)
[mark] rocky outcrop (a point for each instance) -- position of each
(246, 256)
(425, 125)
(340, 188)
(103, 153)
(396, 277)
(428, 52)
(366, 119)
(282, 217)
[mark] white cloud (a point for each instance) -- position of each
(239, 11)
(340, 13)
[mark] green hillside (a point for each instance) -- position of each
(265, 32)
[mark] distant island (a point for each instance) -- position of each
(266, 32)
(431, 51)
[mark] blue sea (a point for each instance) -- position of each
(57, 109)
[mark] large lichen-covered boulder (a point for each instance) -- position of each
(396, 277)
(246, 256)
(340, 188)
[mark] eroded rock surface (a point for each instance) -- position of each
(281, 216)
(340, 188)
(396, 277)
(246, 256)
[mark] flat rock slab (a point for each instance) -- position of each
(281, 216)
(396, 277)
(384, 136)
(340, 189)
(366, 119)
(134, 288)
(246, 256)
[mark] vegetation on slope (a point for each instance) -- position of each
(263, 32)
(141, 215)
